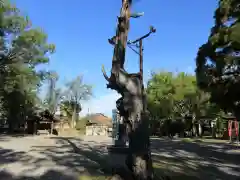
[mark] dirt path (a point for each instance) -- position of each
(48, 158)
(210, 160)
(67, 158)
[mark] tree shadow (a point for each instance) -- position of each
(66, 159)
(96, 152)
(49, 175)
(69, 157)
(196, 160)
(8, 136)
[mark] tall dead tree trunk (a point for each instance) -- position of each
(133, 101)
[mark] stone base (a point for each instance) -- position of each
(117, 156)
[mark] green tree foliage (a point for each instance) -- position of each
(67, 108)
(54, 94)
(77, 91)
(160, 91)
(173, 97)
(168, 94)
(184, 86)
(81, 124)
(167, 101)
(218, 59)
(22, 49)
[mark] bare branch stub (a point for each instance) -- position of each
(119, 41)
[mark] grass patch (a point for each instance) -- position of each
(188, 140)
(163, 170)
(192, 140)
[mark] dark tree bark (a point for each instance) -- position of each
(140, 155)
(132, 104)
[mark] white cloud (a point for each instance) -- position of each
(103, 104)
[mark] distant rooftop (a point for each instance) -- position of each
(99, 118)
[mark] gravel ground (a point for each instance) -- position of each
(48, 157)
(196, 160)
(68, 158)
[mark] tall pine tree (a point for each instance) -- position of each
(218, 60)
(22, 49)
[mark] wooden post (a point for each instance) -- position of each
(141, 70)
(141, 60)
(35, 128)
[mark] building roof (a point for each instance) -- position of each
(100, 119)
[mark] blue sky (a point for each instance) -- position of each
(80, 30)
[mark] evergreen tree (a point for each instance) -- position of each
(22, 49)
(218, 65)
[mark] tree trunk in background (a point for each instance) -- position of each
(10, 127)
(194, 130)
(73, 117)
(214, 132)
(12, 120)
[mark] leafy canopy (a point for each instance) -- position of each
(217, 60)
(22, 49)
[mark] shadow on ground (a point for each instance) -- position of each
(7, 136)
(66, 159)
(49, 175)
(196, 160)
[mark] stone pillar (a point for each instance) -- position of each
(115, 125)
(120, 141)
(119, 131)
(118, 151)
